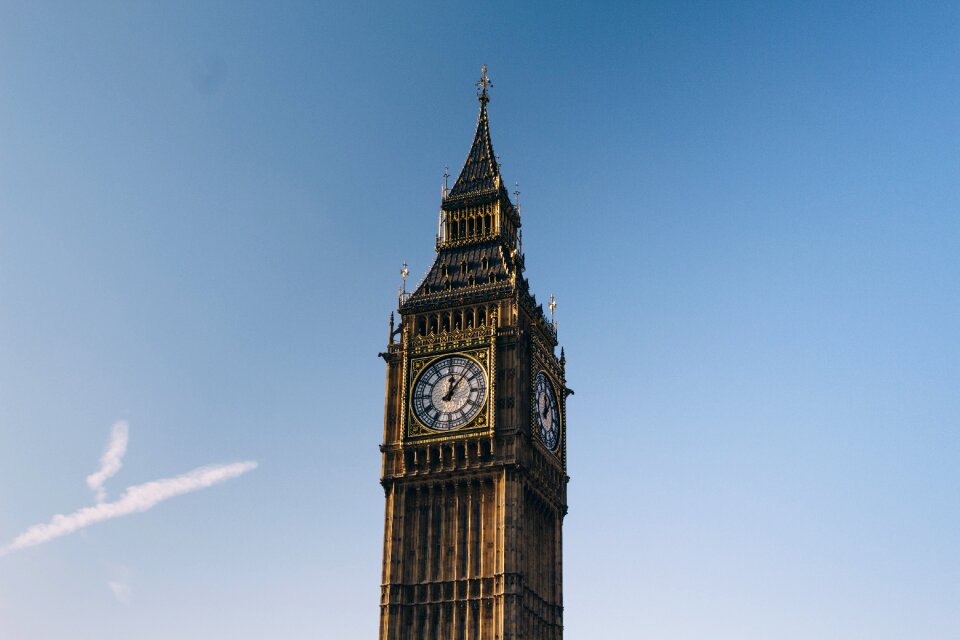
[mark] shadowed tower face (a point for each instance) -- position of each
(474, 441)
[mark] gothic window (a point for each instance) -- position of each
(475, 540)
(435, 549)
(422, 555)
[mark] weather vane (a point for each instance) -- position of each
(483, 84)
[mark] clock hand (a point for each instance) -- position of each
(455, 384)
(450, 387)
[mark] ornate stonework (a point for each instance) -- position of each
(474, 444)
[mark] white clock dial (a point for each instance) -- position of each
(547, 410)
(449, 393)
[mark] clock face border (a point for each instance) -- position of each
(415, 429)
(551, 392)
(466, 392)
(544, 362)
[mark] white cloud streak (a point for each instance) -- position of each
(135, 499)
(121, 591)
(111, 460)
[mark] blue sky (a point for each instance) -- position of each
(748, 213)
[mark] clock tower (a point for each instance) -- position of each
(474, 437)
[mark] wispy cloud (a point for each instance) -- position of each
(121, 591)
(135, 499)
(111, 460)
(119, 583)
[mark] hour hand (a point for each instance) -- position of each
(451, 385)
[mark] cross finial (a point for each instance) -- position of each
(553, 306)
(404, 272)
(482, 85)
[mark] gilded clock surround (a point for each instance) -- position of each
(476, 425)
(535, 407)
(472, 545)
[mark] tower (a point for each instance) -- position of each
(474, 439)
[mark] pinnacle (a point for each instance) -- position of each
(480, 172)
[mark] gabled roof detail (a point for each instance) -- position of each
(478, 268)
(480, 172)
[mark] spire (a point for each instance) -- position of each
(480, 172)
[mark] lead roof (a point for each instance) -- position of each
(480, 170)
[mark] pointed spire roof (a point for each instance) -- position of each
(481, 172)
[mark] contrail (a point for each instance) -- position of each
(111, 460)
(135, 499)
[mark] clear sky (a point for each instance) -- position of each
(747, 211)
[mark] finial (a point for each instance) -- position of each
(446, 179)
(553, 306)
(563, 357)
(516, 196)
(404, 272)
(391, 328)
(482, 85)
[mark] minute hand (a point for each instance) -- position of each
(454, 387)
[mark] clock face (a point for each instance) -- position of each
(449, 393)
(548, 413)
